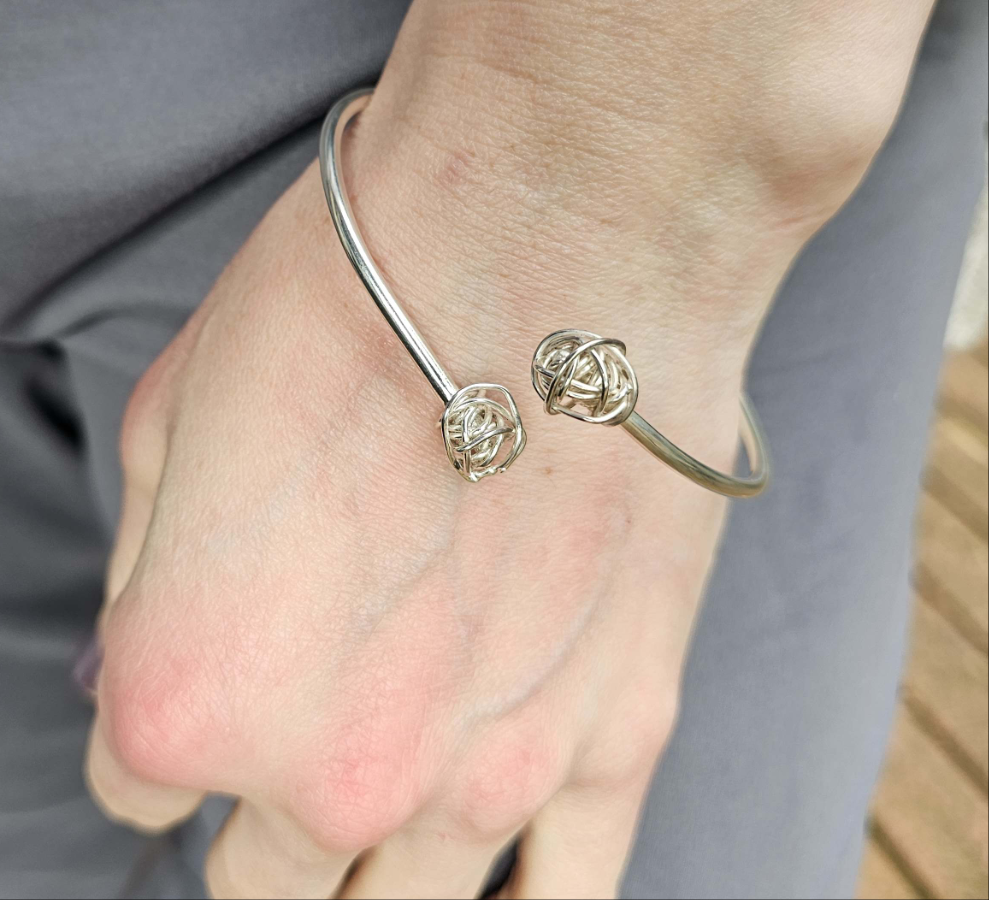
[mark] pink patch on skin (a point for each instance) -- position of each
(380, 756)
(163, 720)
(512, 774)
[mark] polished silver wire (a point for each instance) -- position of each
(587, 377)
(482, 430)
(481, 426)
(330, 142)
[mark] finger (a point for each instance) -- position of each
(419, 864)
(128, 799)
(263, 853)
(135, 516)
(577, 845)
(136, 510)
(143, 443)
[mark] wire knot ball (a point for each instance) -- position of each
(585, 376)
(482, 430)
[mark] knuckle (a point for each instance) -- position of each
(508, 781)
(628, 747)
(652, 727)
(364, 789)
(157, 720)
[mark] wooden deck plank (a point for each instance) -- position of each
(947, 679)
(933, 815)
(965, 390)
(958, 472)
(880, 879)
(930, 810)
(953, 570)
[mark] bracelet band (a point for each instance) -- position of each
(481, 428)
(587, 377)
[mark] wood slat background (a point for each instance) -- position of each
(928, 830)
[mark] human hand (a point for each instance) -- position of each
(308, 610)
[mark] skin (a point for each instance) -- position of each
(398, 672)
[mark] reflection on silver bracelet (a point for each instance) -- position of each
(587, 377)
(481, 427)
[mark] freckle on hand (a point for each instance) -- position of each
(456, 170)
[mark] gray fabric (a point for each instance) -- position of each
(140, 143)
(110, 112)
(791, 683)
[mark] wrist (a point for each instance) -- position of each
(504, 198)
(490, 327)
(484, 271)
(495, 222)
